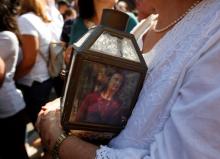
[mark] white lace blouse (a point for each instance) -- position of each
(177, 115)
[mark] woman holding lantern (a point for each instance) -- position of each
(178, 106)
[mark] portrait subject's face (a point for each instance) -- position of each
(115, 82)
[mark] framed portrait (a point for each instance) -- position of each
(103, 99)
(105, 77)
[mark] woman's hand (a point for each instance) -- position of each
(49, 127)
(48, 124)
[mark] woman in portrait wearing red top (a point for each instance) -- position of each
(103, 106)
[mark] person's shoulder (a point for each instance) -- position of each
(8, 34)
(27, 16)
(78, 21)
(9, 38)
(9, 44)
(131, 15)
(28, 19)
(93, 94)
(207, 15)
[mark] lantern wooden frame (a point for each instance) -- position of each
(84, 56)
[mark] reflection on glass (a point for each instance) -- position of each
(115, 46)
(128, 50)
(104, 95)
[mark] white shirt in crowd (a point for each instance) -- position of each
(57, 22)
(30, 24)
(11, 100)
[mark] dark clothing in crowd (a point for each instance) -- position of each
(65, 36)
(12, 142)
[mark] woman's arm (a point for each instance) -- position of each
(30, 47)
(81, 150)
(50, 128)
(2, 71)
(186, 133)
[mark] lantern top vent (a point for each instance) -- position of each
(114, 19)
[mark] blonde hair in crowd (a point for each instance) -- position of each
(35, 6)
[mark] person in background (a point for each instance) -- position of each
(69, 17)
(130, 5)
(62, 6)
(32, 72)
(73, 4)
(55, 27)
(56, 18)
(123, 7)
(178, 106)
(70, 14)
(13, 117)
(90, 13)
(2, 71)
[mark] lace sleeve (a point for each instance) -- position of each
(105, 152)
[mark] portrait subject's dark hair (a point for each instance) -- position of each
(86, 9)
(8, 11)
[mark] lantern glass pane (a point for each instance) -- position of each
(115, 46)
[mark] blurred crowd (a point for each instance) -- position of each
(27, 28)
(177, 108)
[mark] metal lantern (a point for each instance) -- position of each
(105, 77)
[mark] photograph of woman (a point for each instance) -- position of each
(103, 106)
